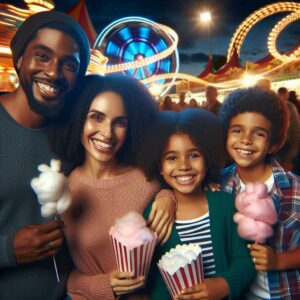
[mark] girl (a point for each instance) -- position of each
(102, 136)
(188, 154)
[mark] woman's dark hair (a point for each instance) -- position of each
(203, 128)
(167, 103)
(265, 103)
(140, 108)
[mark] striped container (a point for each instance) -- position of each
(187, 276)
(137, 260)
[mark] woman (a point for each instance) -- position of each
(103, 136)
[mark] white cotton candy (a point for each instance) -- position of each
(51, 189)
(179, 257)
(48, 209)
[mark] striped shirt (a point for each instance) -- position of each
(198, 231)
(286, 197)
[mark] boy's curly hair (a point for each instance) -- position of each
(254, 99)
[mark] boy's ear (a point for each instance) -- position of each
(273, 149)
(19, 62)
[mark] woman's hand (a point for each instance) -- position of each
(210, 289)
(161, 218)
(123, 283)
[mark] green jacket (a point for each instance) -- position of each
(232, 258)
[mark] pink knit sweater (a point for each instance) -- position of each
(95, 206)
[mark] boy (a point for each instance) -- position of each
(256, 123)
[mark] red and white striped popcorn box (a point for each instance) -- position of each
(187, 276)
(137, 260)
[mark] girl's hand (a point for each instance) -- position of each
(161, 218)
(214, 187)
(210, 289)
(123, 283)
(264, 257)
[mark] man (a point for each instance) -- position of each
(182, 104)
(212, 103)
(289, 151)
(50, 54)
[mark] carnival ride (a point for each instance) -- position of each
(235, 46)
(140, 48)
(148, 51)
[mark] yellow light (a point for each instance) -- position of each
(250, 80)
(155, 89)
(35, 3)
(205, 17)
(5, 50)
(275, 33)
(240, 34)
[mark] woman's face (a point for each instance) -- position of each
(105, 128)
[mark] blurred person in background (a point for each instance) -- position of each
(288, 153)
(193, 103)
(168, 104)
(294, 99)
(212, 104)
(264, 84)
(182, 104)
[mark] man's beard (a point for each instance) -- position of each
(44, 109)
(40, 108)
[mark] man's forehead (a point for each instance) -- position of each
(54, 39)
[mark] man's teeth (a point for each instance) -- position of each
(47, 88)
(102, 144)
(244, 152)
(184, 179)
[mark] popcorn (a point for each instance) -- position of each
(133, 244)
(51, 189)
(182, 267)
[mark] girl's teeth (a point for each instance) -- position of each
(184, 178)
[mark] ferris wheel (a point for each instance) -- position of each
(140, 48)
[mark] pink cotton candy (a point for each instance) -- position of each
(256, 213)
(131, 230)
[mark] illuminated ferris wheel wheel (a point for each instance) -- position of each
(140, 48)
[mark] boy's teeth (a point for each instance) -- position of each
(245, 152)
(47, 88)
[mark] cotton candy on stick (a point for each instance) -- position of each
(256, 213)
(52, 193)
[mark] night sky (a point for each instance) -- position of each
(183, 17)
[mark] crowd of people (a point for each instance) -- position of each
(212, 103)
(120, 154)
